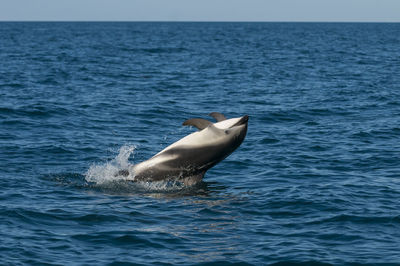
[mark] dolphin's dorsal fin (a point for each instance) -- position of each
(197, 122)
(217, 116)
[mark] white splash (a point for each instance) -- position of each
(105, 175)
(161, 186)
(107, 172)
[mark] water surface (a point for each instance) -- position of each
(316, 180)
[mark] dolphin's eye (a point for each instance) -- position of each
(226, 132)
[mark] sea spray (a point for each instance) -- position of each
(106, 175)
(107, 172)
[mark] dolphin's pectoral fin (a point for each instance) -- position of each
(217, 116)
(197, 122)
(122, 173)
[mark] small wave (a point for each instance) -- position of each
(156, 50)
(299, 263)
(269, 140)
(68, 180)
(359, 219)
(12, 85)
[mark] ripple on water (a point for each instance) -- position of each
(316, 181)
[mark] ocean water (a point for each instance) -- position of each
(316, 181)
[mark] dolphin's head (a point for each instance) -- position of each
(235, 130)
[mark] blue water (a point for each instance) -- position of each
(317, 179)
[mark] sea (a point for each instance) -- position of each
(315, 182)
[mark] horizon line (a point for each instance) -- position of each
(203, 21)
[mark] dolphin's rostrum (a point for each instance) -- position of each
(189, 158)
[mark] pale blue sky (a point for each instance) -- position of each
(201, 10)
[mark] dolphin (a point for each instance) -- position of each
(188, 159)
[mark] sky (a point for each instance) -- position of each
(201, 10)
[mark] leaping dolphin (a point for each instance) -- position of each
(188, 159)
